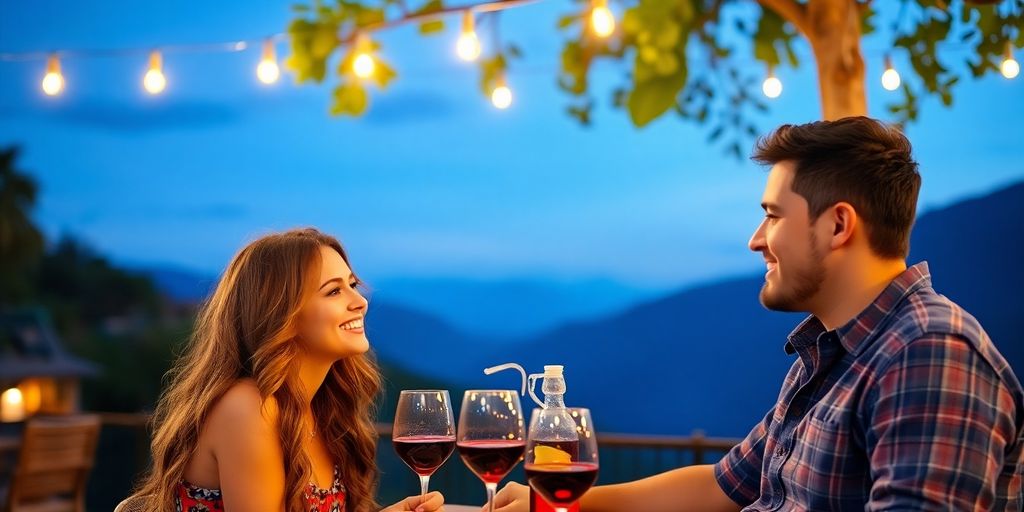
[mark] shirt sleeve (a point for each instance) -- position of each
(938, 421)
(739, 471)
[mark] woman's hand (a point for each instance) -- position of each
(430, 502)
(512, 498)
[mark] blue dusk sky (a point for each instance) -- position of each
(434, 181)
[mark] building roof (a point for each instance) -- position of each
(30, 347)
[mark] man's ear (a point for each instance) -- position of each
(844, 221)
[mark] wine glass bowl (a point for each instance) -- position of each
(561, 471)
(424, 431)
(491, 435)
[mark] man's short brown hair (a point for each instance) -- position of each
(858, 160)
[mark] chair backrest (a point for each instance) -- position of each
(56, 456)
(131, 504)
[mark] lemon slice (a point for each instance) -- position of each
(550, 455)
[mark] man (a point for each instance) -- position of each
(897, 400)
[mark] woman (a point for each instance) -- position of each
(270, 406)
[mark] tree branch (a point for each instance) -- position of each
(790, 11)
(415, 17)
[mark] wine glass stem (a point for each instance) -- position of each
(491, 488)
(424, 483)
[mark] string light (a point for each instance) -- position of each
(53, 80)
(154, 81)
(601, 18)
(363, 65)
(772, 86)
(267, 71)
(468, 45)
(1010, 67)
(891, 77)
(501, 96)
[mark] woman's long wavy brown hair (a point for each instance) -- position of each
(244, 331)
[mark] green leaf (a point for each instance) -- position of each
(568, 20)
(581, 112)
(300, 8)
(716, 133)
(652, 98)
(431, 6)
(383, 74)
(490, 70)
(432, 27)
(369, 16)
(325, 40)
(867, 22)
(668, 36)
(666, 64)
(773, 32)
(350, 99)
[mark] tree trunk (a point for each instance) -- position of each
(833, 29)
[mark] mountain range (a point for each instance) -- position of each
(708, 357)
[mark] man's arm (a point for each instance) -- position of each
(726, 486)
(938, 421)
(692, 488)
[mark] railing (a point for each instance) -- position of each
(124, 453)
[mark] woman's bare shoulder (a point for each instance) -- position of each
(242, 408)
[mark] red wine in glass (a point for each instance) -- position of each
(491, 435)
(424, 454)
(424, 431)
(572, 449)
(561, 484)
(560, 470)
(491, 460)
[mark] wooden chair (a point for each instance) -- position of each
(131, 504)
(56, 456)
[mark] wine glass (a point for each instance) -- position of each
(561, 472)
(424, 431)
(491, 437)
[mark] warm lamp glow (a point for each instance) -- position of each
(12, 405)
(268, 71)
(601, 18)
(468, 45)
(53, 81)
(501, 96)
(155, 82)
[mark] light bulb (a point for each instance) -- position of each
(155, 81)
(601, 19)
(772, 86)
(364, 65)
(1010, 68)
(891, 77)
(53, 80)
(501, 96)
(468, 45)
(268, 71)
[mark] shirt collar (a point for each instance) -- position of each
(855, 333)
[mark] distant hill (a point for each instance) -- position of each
(711, 357)
(708, 357)
(974, 249)
(179, 284)
(483, 307)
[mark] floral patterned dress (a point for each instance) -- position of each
(192, 498)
